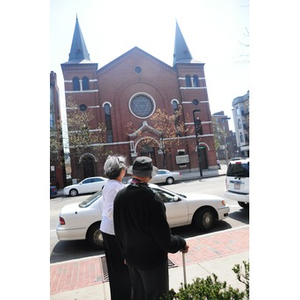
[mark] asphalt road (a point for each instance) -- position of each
(62, 251)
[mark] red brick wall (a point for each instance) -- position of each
(118, 81)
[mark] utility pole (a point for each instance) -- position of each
(198, 131)
(225, 136)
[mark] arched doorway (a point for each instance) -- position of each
(88, 167)
(146, 146)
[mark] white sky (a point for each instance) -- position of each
(213, 30)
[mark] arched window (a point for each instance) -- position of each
(85, 83)
(108, 123)
(188, 82)
(195, 81)
(175, 105)
(76, 85)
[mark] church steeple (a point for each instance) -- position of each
(182, 53)
(78, 51)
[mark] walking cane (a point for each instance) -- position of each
(184, 269)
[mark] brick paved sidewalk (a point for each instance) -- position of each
(87, 272)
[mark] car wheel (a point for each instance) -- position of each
(73, 193)
(244, 205)
(94, 236)
(204, 219)
(170, 180)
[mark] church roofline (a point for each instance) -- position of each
(129, 52)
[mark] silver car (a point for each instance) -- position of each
(166, 176)
(87, 185)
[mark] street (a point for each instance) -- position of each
(62, 250)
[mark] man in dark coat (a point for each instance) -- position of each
(144, 234)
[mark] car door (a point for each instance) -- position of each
(98, 184)
(85, 185)
(159, 177)
(176, 208)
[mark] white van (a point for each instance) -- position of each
(237, 182)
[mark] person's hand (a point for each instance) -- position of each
(186, 249)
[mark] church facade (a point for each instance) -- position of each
(125, 95)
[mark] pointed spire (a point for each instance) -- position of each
(78, 50)
(182, 53)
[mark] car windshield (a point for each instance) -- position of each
(168, 191)
(238, 170)
(91, 199)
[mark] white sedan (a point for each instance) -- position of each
(81, 221)
(87, 185)
(166, 176)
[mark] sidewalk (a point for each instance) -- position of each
(216, 252)
(195, 173)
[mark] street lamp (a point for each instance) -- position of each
(198, 130)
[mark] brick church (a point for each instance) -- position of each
(130, 90)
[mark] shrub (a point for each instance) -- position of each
(243, 277)
(211, 288)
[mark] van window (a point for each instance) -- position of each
(238, 170)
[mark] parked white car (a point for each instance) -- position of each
(237, 182)
(81, 221)
(166, 176)
(87, 185)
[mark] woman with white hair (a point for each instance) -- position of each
(119, 280)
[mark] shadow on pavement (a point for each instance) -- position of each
(241, 215)
(68, 250)
(189, 231)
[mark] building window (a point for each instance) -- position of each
(188, 82)
(51, 120)
(142, 106)
(76, 84)
(175, 105)
(241, 138)
(195, 81)
(85, 83)
(195, 102)
(138, 69)
(239, 124)
(108, 123)
(83, 107)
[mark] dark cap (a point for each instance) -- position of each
(142, 167)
